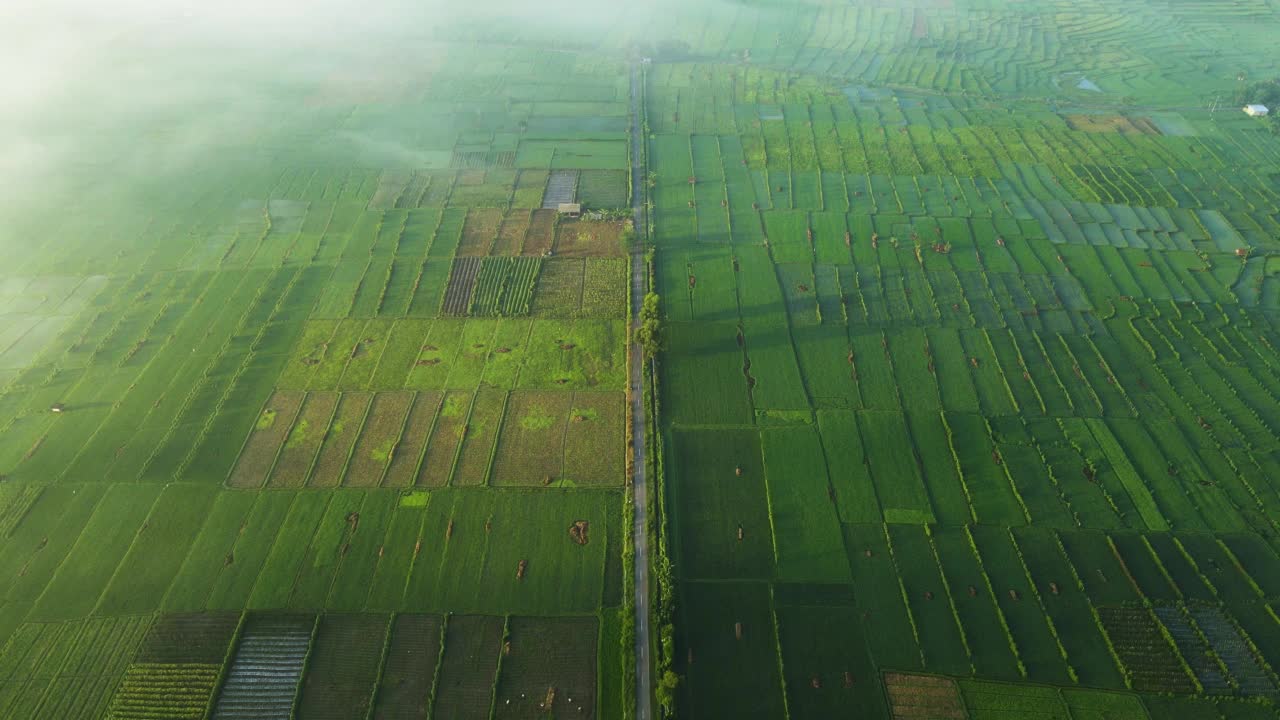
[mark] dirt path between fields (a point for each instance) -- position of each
(640, 536)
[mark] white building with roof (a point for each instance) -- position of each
(1256, 110)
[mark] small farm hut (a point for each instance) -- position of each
(1256, 110)
(572, 210)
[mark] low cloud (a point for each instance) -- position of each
(130, 90)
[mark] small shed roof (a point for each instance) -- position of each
(570, 208)
(1256, 109)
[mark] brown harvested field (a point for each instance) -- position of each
(546, 653)
(304, 440)
(532, 437)
(541, 234)
(589, 238)
(462, 283)
(259, 453)
(338, 441)
(478, 441)
(378, 438)
(417, 430)
(442, 448)
(927, 712)
(924, 697)
(469, 667)
(909, 679)
(558, 292)
(595, 442)
(478, 231)
(511, 234)
(926, 693)
(1112, 123)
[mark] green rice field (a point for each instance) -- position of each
(969, 401)
(960, 389)
(335, 396)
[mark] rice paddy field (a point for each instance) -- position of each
(969, 404)
(314, 404)
(334, 424)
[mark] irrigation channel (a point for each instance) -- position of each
(639, 531)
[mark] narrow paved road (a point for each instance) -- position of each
(640, 536)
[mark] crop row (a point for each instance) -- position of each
(1027, 372)
(262, 675)
(1049, 568)
(66, 669)
(999, 374)
(1053, 630)
(580, 287)
(956, 271)
(135, 424)
(151, 690)
(39, 441)
(352, 661)
(512, 287)
(504, 286)
(395, 264)
(289, 549)
(1090, 166)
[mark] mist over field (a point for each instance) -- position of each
(655, 360)
(101, 97)
(145, 89)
